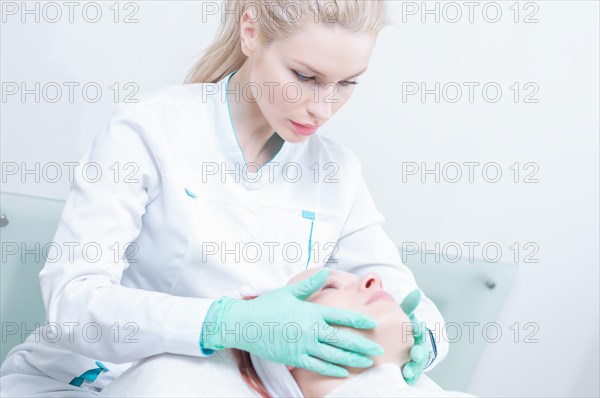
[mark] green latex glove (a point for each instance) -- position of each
(419, 353)
(280, 326)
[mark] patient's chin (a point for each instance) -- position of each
(393, 332)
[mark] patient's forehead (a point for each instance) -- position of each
(333, 273)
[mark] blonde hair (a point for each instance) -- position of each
(225, 55)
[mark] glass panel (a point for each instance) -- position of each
(464, 292)
(25, 240)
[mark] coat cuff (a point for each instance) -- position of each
(184, 326)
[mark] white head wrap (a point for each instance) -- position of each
(276, 378)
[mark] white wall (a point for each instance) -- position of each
(558, 215)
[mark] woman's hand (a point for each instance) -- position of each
(419, 353)
(282, 327)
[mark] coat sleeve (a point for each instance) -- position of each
(364, 247)
(92, 313)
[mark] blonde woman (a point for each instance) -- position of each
(233, 192)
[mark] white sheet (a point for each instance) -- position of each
(218, 376)
(172, 375)
(378, 381)
(387, 381)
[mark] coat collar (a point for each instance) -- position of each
(229, 142)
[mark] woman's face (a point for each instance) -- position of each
(348, 291)
(329, 56)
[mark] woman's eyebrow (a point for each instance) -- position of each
(313, 70)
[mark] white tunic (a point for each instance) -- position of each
(200, 230)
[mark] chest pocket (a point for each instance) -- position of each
(306, 238)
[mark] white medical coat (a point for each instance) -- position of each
(158, 189)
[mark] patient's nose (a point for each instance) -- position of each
(371, 281)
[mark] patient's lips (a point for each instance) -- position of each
(380, 295)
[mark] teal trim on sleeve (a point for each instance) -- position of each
(101, 365)
(89, 375)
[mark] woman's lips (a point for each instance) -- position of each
(304, 129)
(380, 295)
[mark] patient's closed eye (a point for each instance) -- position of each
(329, 285)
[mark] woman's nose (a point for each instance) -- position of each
(321, 105)
(371, 281)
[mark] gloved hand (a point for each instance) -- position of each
(419, 353)
(282, 327)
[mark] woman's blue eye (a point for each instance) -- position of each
(302, 77)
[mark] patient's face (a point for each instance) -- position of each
(348, 291)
